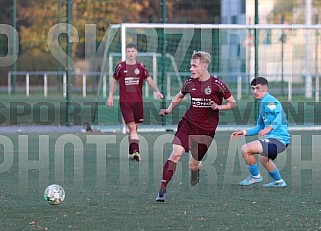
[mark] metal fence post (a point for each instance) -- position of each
(45, 85)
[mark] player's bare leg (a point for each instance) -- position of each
(248, 151)
(267, 163)
(273, 172)
(194, 166)
(133, 141)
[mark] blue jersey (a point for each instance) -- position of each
(272, 115)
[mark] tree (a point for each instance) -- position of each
(292, 11)
(40, 16)
(182, 11)
(5, 18)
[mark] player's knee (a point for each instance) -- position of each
(264, 160)
(245, 150)
(175, 157)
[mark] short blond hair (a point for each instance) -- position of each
(204, 57)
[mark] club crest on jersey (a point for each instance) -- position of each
(136, 71)
(208, 90)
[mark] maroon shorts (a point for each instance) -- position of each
(132, 112)
(193, 138)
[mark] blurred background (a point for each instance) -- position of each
(37, 57)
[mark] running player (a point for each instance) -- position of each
(196, 129)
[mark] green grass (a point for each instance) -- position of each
(52, 110)
(21, 110)
(104, 191)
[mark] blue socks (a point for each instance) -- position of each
(275, 174)
(254, 169)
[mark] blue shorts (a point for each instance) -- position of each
(272, 147)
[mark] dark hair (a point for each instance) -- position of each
(259, 80)
(131, 45)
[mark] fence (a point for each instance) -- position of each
(239, 88)
(46, 75)
(288, 55)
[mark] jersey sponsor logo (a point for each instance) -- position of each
(131, 81)
(208, 90)
(201, 102)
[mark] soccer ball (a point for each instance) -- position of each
(54, 194)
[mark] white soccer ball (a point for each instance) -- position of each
(54, 194)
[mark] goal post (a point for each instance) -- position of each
(232, 49)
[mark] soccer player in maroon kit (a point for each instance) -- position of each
(196, 129)
(130, 74)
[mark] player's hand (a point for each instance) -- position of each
(237, 134)
(159, 95)
(215, 106)
(265, 131)
(163, 112)
(110, 102)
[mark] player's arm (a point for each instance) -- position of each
(250, 132)
(112, 87)
(152, 84)
(230, 104)
(275, 123)
(255, 130)
(175, 101)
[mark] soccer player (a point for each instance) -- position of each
(272, 126)
(196, 129)
(130, 74)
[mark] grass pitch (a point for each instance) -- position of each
(106, 191)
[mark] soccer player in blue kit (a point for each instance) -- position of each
(272, 125)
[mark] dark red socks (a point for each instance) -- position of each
(169, 169)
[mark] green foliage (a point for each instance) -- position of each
(292, 11)
(36, 18)
(39, 16)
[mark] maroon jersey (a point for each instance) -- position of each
(202, 94)
(130, 78)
